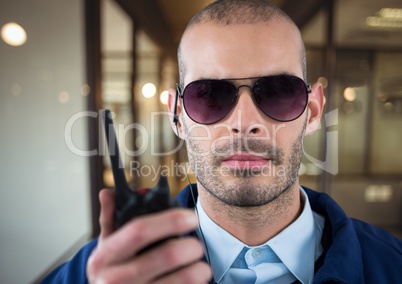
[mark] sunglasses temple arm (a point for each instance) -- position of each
(175, 116)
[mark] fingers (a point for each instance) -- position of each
(115, 257)
(173, 259)
(142, 232)
(120, 256)
(106, 219)
(170, 256)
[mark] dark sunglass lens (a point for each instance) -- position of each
(281, 97)
(208, 101)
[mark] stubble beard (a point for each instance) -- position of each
(248, 187)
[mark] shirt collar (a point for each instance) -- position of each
(297, 246)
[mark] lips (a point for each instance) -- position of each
(245, 161)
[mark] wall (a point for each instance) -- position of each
(44, 203)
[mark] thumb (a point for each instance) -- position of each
(106, 218)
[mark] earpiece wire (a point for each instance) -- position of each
(195, 205)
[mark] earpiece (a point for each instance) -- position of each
(175, 116)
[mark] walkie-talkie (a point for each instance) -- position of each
(132, 203)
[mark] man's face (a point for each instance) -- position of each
(247, 158)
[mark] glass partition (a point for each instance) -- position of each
(366, 95)
(44, 205)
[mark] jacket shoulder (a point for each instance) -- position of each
(381, 253)
(371, 236)
(356, 249)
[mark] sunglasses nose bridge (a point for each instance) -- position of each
(238, 93)
(244, 117)
(242, 86)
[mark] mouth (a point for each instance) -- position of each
(246, 161)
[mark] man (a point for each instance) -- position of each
(243, 109)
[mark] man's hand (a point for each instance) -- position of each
(177, 260)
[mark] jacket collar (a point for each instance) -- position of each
(343, 256)
(341, 261)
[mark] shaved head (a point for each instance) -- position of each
(238, 12)
(231, 12)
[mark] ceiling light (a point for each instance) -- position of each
(164, 97)
(64, 97)
(349, 94)
(381, 22)
(148, 90)
(13, 34)
(392, 13)
(386, 18)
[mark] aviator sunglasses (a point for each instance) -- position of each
(281, 97)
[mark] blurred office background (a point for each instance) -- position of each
(62, 61)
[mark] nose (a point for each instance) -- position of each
(246, 118)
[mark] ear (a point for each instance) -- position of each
(315, 106)
(175, 115)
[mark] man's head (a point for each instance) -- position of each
(239, 12)
(247, 158)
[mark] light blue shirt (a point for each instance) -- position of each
(288, 256)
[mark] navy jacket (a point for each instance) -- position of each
(354, 251)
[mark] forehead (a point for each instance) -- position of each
(210, 50)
